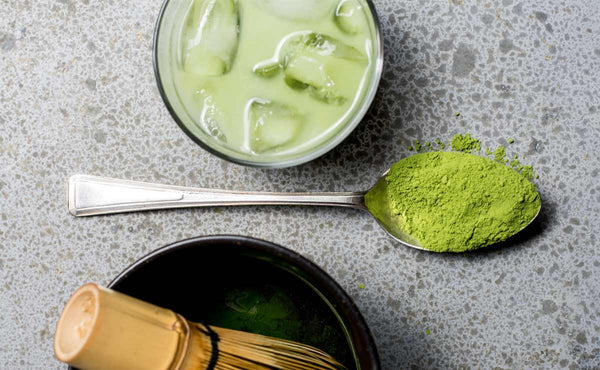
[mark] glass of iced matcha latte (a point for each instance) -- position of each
(268, 83)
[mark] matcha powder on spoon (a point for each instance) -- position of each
(456, 202)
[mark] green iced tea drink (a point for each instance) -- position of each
(273, 79)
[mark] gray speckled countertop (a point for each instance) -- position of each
(77, 95)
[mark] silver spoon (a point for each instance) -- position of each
(94, 196)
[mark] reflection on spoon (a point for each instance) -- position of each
(384, 216)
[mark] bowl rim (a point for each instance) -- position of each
(362, 339)
(329, 145)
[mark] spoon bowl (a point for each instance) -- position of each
(390, 222)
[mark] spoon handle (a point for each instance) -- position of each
(93, 196)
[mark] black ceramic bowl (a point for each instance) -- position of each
(256, 286)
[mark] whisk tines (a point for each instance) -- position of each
(240, 350)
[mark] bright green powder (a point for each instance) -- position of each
(524, 170)
(500, 154)
(465, 143)
(418, 146)
(456, 202)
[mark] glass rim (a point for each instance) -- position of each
(308, 156)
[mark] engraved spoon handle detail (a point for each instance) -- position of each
(92, 196)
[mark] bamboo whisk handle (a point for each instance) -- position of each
(103, 329)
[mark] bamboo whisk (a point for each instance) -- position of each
(103, 329)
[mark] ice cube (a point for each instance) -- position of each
(271, 124)
(326, 45)
(305, 71)
(210, 116)
(308, 70)
(349, 17)
(295, 84)
(299, 10)
(268, 68)
(327, 95)
(199, 62)
(305, 58)
(210, 37)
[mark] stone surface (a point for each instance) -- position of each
(78, 96)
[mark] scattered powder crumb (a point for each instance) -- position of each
(465, 143)
(500, 154)
(527, 172)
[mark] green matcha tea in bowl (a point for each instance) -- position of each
(268, 83)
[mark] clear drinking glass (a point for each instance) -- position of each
(166, 42)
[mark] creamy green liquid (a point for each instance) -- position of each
(273, 78)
